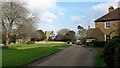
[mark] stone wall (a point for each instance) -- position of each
(22, 41)
(114, 25)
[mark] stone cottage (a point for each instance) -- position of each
(106, 27)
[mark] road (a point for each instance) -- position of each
(71, 56)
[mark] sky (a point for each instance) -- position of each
(59, 14)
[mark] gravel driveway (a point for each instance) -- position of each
(71, 56)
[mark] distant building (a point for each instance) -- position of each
(48, 33)
(23, 39)
(106, 26)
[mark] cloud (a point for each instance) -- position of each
(43, 8)
(78, 19)
(61, 14)
(47, 17)
(42, 4)
(101, 9)
(47, 27)
(49, 12)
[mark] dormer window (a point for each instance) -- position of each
(107, 25)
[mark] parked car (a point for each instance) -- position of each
(73, 42)
(79, 42)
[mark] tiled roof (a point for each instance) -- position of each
(111, 16)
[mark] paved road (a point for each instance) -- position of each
(71, 56)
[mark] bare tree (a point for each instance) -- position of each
(81, 33)
(16, 16)
(63, 31)
(27, 28)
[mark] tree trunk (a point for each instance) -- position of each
(7, 40)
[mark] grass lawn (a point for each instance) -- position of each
(21, 54)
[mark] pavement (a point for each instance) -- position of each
(71, 56)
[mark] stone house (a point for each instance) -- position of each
(106, 27)
(47, 34)
(23, 39)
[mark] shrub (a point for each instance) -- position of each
(96, 43)
(73, 42)
(33, 39)
(117, 57)
(68, 42)
(112, 53)
(99, 43)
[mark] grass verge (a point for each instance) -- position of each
(100, 60)
(15, 57)
(22, 54)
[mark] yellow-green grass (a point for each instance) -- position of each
(21, 54)
(26, 46)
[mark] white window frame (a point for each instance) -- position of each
(105, 37)
(106, 25)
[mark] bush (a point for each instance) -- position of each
(68, 42)
(33, 39)
(73, 42)
(99, 43)
(96, 43)
(112, 53)
(117, 57)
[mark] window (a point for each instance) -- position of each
(107, 24)
(107, 37)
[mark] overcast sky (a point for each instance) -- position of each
(58, 14)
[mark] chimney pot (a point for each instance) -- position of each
(111, 8)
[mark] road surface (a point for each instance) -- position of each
(71, 56)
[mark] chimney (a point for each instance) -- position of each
(111, 8)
